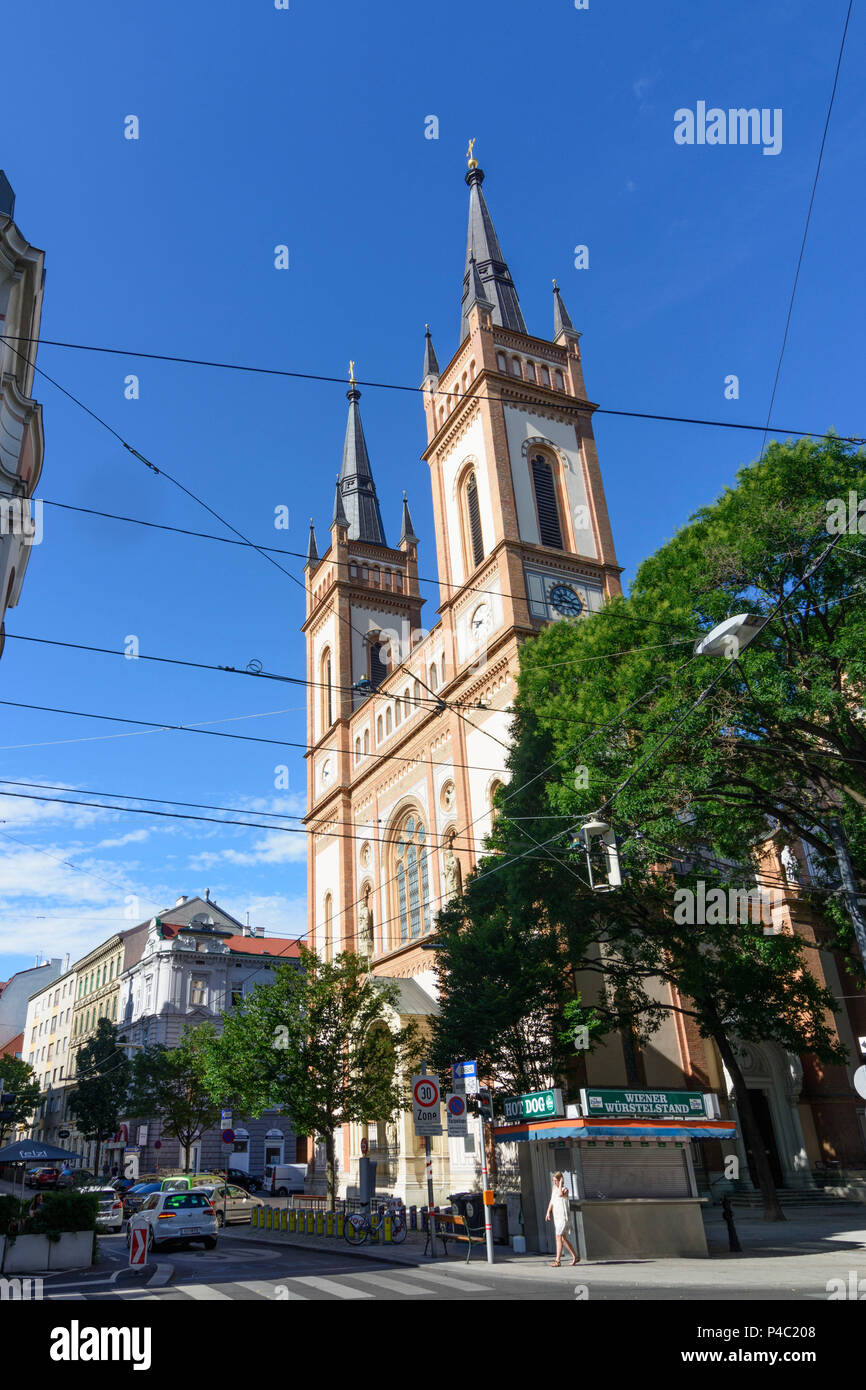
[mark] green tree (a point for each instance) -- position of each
(615, 714)
(317, 1042)
(102, 1073)
(169, 1084)
(19, 1079)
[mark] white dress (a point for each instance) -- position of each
(561, 1213)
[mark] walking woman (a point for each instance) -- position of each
(559, 1209)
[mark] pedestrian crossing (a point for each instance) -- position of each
(361, 1284)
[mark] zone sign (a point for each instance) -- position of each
(427, 1104)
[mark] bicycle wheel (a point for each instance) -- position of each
(398, 1231)
(355, 1229)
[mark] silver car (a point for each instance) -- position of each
(109, 1216)
(168, 1217)
(230, 1203)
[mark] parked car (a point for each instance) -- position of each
(231, 1203)
(241, 1179)
(175, 1216)
(77, 1177)
(122, 1185)
(137, 1195)
(42, 1177)
(283, 1178)
(184, 1182)
(109, 1216)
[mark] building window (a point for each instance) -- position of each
(358, 749)
(549, 529)
(530, 371)
(475, 546)
(413, 894)
(545, 377)
(434, 679)
(198, 990)
(366, 742)
(378, 667)
(388, 718)
(515, 366)
(327, 691)
(379, 729)
(560, 384)
(500, 361)
(328, 943)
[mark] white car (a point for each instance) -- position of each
(170, 1217)
(110, 1214)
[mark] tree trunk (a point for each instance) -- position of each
(329, 1158)
(98, 1152)
(752, 1138)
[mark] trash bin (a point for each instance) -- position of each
(499, 1221)
(469, 1205)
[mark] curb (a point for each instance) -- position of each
(157, 1274)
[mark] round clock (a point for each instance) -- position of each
(480, 622)
(327, 772)
(566, 601)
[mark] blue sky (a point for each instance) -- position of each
(306, 127)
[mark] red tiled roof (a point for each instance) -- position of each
(14, 1045)
(263, 945)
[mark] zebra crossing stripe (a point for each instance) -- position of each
(450, 1280)
(401, 1286)
(202, 1291)
(268, 1288)
(331, 1286)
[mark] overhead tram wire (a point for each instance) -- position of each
(564, 405)
(806, 229)
(200, 501)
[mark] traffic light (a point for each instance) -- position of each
(484, 1102)
(7, 1101)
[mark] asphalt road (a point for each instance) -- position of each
(246, 1271)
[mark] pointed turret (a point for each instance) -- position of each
(561, 320)
(358, 491)
(476, 293)
(492, 271)
(431, 364)
(407, 532)
(339, 518)
(312, 549)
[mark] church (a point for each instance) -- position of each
(407, 721)
(408, 728)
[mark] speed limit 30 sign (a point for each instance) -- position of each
(427, 1104)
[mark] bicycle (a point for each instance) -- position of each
(358, 1228)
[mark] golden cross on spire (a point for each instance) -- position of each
(473, 163)
(351, 374)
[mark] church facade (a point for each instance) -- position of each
(407, 717)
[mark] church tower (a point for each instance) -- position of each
(517, 493)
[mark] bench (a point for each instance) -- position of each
(451, 1227)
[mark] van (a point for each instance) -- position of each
(283, 1178)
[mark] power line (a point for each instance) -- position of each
(806, 227)
(453, 395)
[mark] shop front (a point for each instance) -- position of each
(629, 1172)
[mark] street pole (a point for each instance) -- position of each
(488, 1217)
(849, 884)
(428, 1166)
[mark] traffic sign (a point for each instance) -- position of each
(63, 1134)
(364, 1147)
(464, 1077)
(225, 1119)
(426, 1104)
(138, 1246)
(228, 1136)
(455, 1109)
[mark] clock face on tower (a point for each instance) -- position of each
(479, 625)
(327, 773)
(566, 601)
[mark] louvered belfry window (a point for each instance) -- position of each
(474, 517)
(549, 528)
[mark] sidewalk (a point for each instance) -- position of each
(790, 1257)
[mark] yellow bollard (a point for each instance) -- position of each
(329, 1222)
(387, 1225)
(284, 1220)
(291, 1216)
(320, 1224)
(340, 1219)
(269, 1218)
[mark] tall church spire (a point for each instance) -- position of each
(491, 270)
(356, 486)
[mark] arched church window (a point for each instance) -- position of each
(410, 871)
(366, 742)
(327, 690)
(378, 666)
(475, 539)
(530, 371)
(434, 678)
(560, 384)
(388, 720)
(545, 377)
(379, 729)
(443, 670)
(328, 942)
(500, 361)
(515, 366)
(358, 749)
(398, 715)
(544, 484)
(417, 692)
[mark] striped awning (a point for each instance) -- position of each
(675, 1131)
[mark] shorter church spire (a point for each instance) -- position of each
(339, 518)
(491, 270)
(312, 549)
(431, 363)
(407, 532)
(561, 319)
